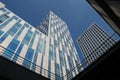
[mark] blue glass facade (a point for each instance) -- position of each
(49, 48)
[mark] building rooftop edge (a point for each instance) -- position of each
(2, 4)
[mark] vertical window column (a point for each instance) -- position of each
(11, 49)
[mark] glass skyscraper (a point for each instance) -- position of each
(94, 42)
(48, 50)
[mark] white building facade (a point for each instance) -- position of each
(95, 41)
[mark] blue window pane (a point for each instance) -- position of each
(57, 71)
(3, 18)
(33, 38)
(18, 52)
(20, 31)
(44, 46)
(40, 46)
(61, 58)
(3, 9)
(70, 62)
(51, 55)
(27, 37)
(11, 48)
(13, 45)
(3, 38)
(14, 29)
(28, 58)
(7, 22)
(1, 32)
(41, 69)
(34, 61)
(49, 68)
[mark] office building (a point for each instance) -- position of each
(48, 50)
(94, 42)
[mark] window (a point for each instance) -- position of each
(7, 22)
(3, 38)
(3, 9)
(18, 52)
(49, 68)
(51, 55)
(57, 71)
(44, 46)
(70, 62)
(61, 58)
(33, 38)
(11, 48)
(1, 32)
(40, 46)
(14, 29)
(13, 45)
(34, 61)
(28, 58)
(3, 18)
(19, 32)
(27, 37)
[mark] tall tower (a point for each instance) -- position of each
(94, 42)
(48, 50)
(62, 55)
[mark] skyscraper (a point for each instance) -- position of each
(94, 42)
(48, 50)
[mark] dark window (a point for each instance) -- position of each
(3, 18)
(7, 22)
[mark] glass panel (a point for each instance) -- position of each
(51, 55)
(33, 38)
(18, 52)
(1, 32)
(11, 48)
(34, 61)
(28, 58)
(3, 18)
(14, 29)
(49, 68)
(3, 38)
(8, 21)
(3, 9)
(61, 58)
(57, 71)
(20, 31)
(13, 45)
(27, 37)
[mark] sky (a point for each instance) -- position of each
(77, 14)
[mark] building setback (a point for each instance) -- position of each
(48, 50)
(94, 42)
